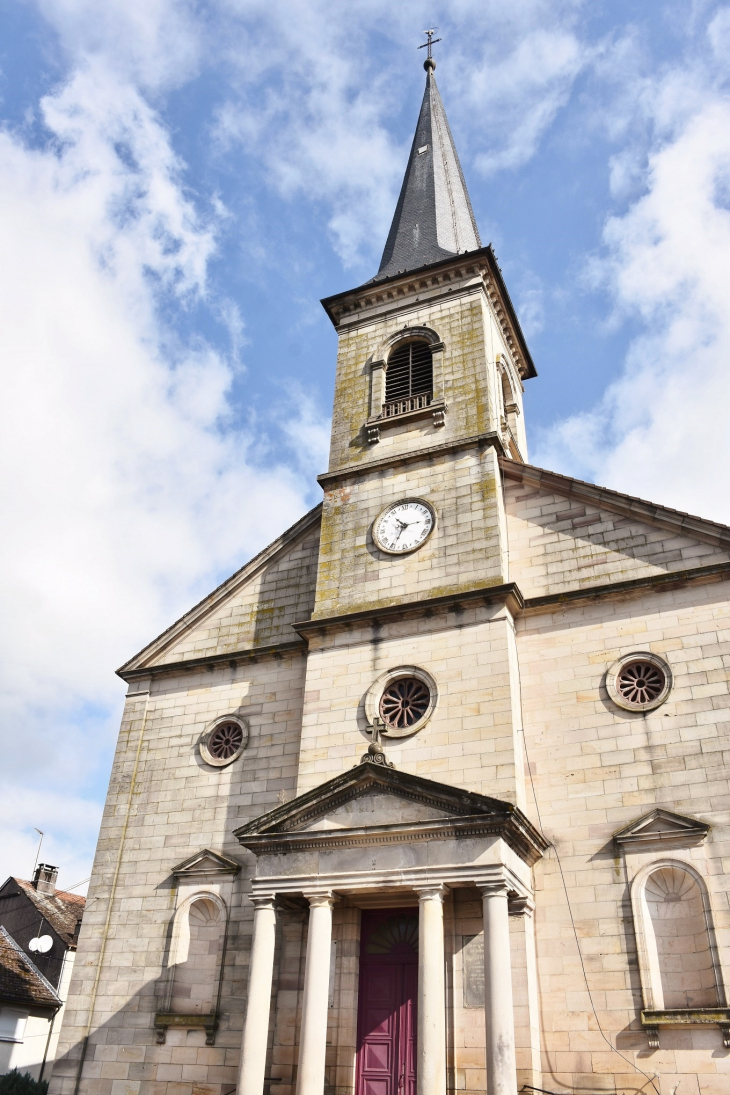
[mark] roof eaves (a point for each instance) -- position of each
(487, 253)
(34, 987)
(62, 911)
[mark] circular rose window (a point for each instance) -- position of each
(639, 682)
(404, 703)
(402, 699)
(224, 741)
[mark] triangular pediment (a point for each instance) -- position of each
(371, 801)
(662, 827)
(373, 806)
(566, 535)
(206, 862)
(251, 611)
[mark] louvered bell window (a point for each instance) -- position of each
(408, 379)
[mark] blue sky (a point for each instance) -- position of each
(182, 182)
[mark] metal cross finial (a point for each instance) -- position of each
(431, 41)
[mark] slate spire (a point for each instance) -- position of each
(433, 218)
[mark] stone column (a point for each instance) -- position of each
(431, 1049)
(498, 1007)
(313, 1035)
(254, 1043)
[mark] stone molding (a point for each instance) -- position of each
(252, 654)
(508, 594)
(675, 579)
(645, 833)
(206, 864)
(388, 887)
(651, 1021)
(399, 290)
(435, 410)
(489, 439)
(676, 521)
(467, 815)
(225, 590)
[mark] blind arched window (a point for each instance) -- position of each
(408, 378)
(679, 941)
(194, 977)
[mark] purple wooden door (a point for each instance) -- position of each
(386, 1043)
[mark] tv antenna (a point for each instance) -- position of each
(38, 852)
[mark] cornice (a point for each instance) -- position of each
(252, 654)
(627, 505)
(401, 287)
(226, 589)
(279, 830)
(716, 572)
(490, 439)
(508, 594)
(505, 826)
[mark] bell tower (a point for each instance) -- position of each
(413, 581)
(428, 392)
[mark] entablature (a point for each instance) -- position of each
(474, 271)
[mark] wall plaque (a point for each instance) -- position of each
(472, 950)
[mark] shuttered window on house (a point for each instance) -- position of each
(408, 379)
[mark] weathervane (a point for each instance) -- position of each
(428, 45)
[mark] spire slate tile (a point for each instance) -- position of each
(433, 219)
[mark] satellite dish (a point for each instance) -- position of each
(41, 944)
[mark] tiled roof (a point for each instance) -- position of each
(433, 218)
(62, 910)
(20, 981)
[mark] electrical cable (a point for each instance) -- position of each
(551, 844)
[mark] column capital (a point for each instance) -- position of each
(262, 900)
(498, 888)
(433, 890)
(319, 899)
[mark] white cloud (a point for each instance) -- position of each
(323, 126)
(661, 430)
(152, 43)
(127, 492)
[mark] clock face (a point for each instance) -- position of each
(404, 526)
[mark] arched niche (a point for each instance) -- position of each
(195, 965)
(678, 956)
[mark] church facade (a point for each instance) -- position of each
(432, 795)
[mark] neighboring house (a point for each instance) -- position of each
(34, 980)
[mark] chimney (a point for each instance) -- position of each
(45, 877)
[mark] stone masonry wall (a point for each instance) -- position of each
(595, 769)
(465, 550)
(472, 739)
(175, 806)
(471, 340)
(558, 543)
(262, 610)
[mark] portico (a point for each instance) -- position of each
(378, 838)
